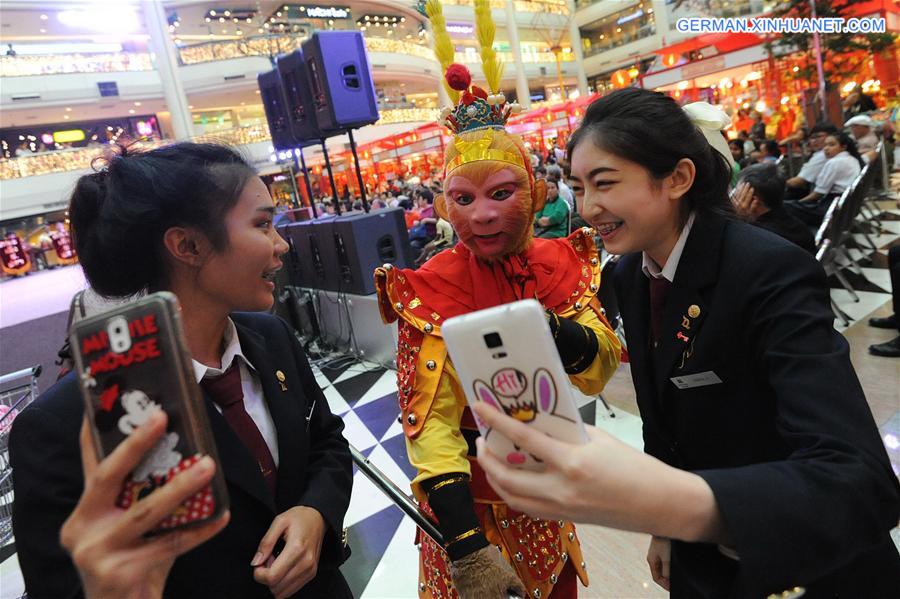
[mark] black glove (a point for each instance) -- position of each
(577, 344)
(451, 501)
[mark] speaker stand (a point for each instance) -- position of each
(359, 177)
(334, 193)
(309, 192)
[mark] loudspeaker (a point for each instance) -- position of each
(343, 93)
(363, 242)
(276, 111)
(298, 98)
(312, 258)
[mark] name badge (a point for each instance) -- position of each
(701, 379)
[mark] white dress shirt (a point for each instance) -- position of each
(812, 167)
(254, 402)
(652, 270)
(837, 174)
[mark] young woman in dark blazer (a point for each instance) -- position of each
(765, 471)
(196, 220)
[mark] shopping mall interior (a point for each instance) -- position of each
(79, 79)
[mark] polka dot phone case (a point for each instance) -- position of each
(131, 362)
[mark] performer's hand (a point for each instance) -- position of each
(603, 481)
(484, 574)
(659, 556)
(107, 543)
(303, 530)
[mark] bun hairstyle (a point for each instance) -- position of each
(650, 129)
(120, 213)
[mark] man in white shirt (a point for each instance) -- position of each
(799, 186)
(863, 130)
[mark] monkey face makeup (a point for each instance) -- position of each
(490, 206)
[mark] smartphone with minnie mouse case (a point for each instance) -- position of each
(132, 361)
(506, 357)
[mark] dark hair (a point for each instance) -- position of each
(823, 127)
(849, 144)
(766, 183)
(120, 213)
(772, 148)
(649, 128)
(736, 143)
(405, 204)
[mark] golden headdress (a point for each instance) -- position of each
(475, 109)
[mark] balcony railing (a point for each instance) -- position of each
(547, 6)
(57, 64)
(76, 159)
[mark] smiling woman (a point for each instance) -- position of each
(194, 219)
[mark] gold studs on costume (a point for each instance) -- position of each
(694, 311)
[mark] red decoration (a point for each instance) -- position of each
(477, 91)
(108, 398)
(468, 98)
(458, 77)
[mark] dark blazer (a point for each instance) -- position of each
(314, 470)
(786, 441)
(781, 223)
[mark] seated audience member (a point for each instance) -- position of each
(769, 151)
(758, 199)
(442, 240)
(799, 186)
(555, 173)
(862, 129)
(552, 221)
(841, 168)
(196, 220)
(749, 145)
(890, 349)
(755, 157)
(857, 103)
(411, 214)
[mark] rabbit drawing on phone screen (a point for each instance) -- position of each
(536, 406)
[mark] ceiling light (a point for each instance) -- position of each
(43, 30)
(190, 106)
(208, 19)
(131, 111)
(212, 12)
(137, 103)
(98, 17)
(65, 116)
(227, 13)
(68, 109)
(249, 20)
(44, 17)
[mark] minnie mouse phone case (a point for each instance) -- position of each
(506, 357)
(132, 361)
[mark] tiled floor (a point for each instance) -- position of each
(384, 564)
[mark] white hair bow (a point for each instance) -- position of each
(711, 122)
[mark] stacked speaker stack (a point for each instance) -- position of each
(323, 90)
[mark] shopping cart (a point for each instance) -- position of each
(17, 390)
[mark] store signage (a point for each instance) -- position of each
(62, 137)
(710, 65)
(635, 15)
(328, 12)
(460, 28)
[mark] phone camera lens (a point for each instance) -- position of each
(493, 340)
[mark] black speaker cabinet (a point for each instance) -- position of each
(311, 258)
(365, 241)
(343, 92)
(298, 97)
(276, 113)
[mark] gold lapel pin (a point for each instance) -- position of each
(280, 376)
(694, 311)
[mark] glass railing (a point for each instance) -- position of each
(509, 60)
(620, 40)
(75, 159)
(717, 8)
(548, 6)
(281, 44)
(56, 64)
(584, 3)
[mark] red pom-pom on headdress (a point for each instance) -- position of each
(458, 77)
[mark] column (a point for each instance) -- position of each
(661, 18)
(578, 50)
(166, 60)
(523, 92)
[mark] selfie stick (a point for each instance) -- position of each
(401, 499)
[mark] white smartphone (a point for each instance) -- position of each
(506, 357)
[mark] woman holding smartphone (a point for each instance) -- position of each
(764, 469)
(196, 220)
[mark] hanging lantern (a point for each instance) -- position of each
(621, 78)
(669, 60)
